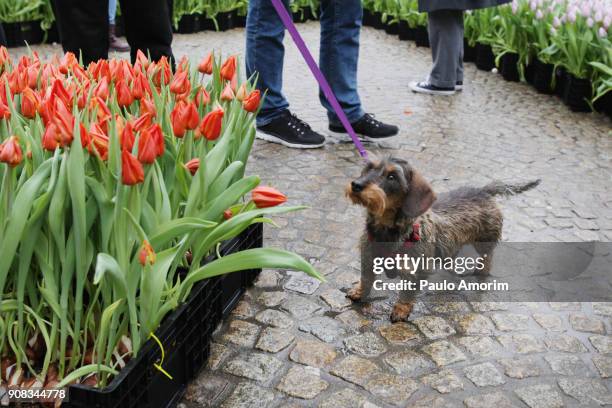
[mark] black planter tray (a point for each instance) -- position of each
(18, 34)
(421, 36)
(509, 67)
(406, 33)
(485, 60)
(185, 335)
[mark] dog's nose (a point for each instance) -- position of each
(356, 187)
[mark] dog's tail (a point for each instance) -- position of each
(498, 188)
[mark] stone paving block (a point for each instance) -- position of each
(302, 382)
(274, 318)
(323, 327)
(432, 401)
(479, 345)
(565, 343)
(520, 367)
(207, 390)
(444, 353)
(484, 375)
(434, 327)
(244, 310)
(603, 308)
(335, 299)
(490, 306)
(603, 344)
(392, 389)
(511, 321)
(356, 370)
(274, 340)
(299, 307)
(399, 333)
(218, 353)
(366, 344)
(549, 322)
(604, 365)
(586, 391)
(313, 353)
(475, 324)
(521, 343)
(255, 366)
(445, 381)
(248, 395)
(565, 306)
(494, 399)
(267, 279)
(566, 364)
(272, 299)
(302, 284)
(347, 398)
(352, 318)
(540, 396)
(409, 363)
(241, 333)
(584, 323)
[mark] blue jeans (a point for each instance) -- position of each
(339, 53)
(112, 11)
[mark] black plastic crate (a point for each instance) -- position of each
(185, 334)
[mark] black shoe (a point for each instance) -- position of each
(427, 88)
(368, 128)
(459, 86)
(290, 131)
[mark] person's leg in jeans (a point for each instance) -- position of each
(339, 54)
(148, 27)
(115, 43)
(264, 55)
(446, 40)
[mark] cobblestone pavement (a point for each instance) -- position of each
(295, 342)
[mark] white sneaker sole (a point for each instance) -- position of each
(362, 137)
(418, 89)
(274, 139)
(458, 88)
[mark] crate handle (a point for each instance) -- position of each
(163, 355)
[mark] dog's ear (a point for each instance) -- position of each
(420, 195)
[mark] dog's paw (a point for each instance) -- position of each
(400, 312)
(355, 293)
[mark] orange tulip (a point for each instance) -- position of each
(193, 165)
(101, 90)
(202, 97)
(124, 96)
(206, 66)
(99, 141)
(227, 94)
(141, 61)
(10, 152)
(180, 83)
(228, 69)
(64, 122)
(85, 138)
(126, 137)
(4, 56)
(192, 118)
(140, 86)
(5, 113)
(158, 137)
(131, 170)
(147, 105)
(264, 196)
(251, 102)
(30, 102)
(147, 149)
(147, 254)
(242, 92)
(211, 124)
(178, 120)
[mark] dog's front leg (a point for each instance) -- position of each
(403, 307)
(362, 289)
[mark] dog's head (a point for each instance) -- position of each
(391, 185)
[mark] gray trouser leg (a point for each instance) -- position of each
(446, 40)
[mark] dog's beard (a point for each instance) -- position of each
(373, 198)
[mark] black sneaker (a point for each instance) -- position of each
(459, 86)
(290, 131)
(368, 128)
(427, 88)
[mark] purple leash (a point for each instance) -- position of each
(331, 98)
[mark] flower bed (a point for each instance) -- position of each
(541, 36)
(114, 179)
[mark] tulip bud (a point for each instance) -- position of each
(131, 170)
(206, 66)
(264, 196)
(227, 214)
(177, 120)
(228, 68)
(30, 102)
(251, 102)
(180, 83)
(193, 165)
(211, 124)
(126, 137)
(148, 144)
(10, 152)
(242, 92)
(124, 95)
(192, 118)
(147, 255)
(227, 94)
(202, 97)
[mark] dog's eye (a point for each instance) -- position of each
(391, 177)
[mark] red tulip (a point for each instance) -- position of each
(85, 138)
(206, 66)
(228, 69)
(192, 118)
(141, 61)
(202, 97)
(126, 137)
(227, 214)
(227, 94)
(147, 149)
(99, 141)
(64, 122)
(69, 60)
(101, 90)
(10, 152)
(30, 102)
(143, 122)
(193, 165)
(124, 96)
(180, 83)
(158, 137)
(4, 55)
(147, 254)
(147, 105)
(5, 112)
(177, 119)
(211, 124)
(264, 196)
(59, 91)
(50, 140)
(131, 170)
(251, 102)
